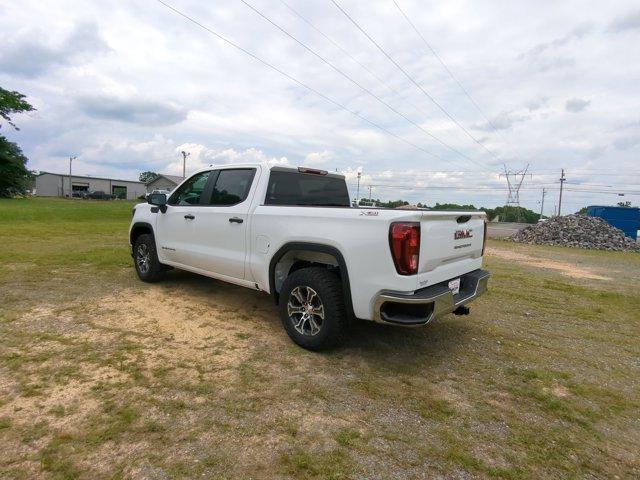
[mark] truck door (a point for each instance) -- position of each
(220, 227)
(175, 227)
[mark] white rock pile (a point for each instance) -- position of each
(577, 231)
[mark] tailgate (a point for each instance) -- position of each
(451, 241)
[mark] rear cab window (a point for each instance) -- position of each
(304, 189)
(231, 187)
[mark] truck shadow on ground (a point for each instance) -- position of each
(440, 338)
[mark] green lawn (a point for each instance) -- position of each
(102, 376)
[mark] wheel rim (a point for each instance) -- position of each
(305, 310)
(143, 258)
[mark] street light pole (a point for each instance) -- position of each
(184, 163)
(71, 159)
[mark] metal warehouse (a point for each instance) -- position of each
(164, 182)
(59, 185)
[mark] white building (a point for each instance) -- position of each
(59, 185)
(164, 182)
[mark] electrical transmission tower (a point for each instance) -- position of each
(514, 182)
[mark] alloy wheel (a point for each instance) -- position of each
(305, 310)
(143, 258)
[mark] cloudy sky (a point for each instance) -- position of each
(126, 86)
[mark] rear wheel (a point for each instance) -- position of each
(312, 308)
(145, 259)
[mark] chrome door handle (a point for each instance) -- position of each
(189, 216)
(235, 220)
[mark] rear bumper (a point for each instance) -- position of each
(422, 306)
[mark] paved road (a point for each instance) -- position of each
(501, 230)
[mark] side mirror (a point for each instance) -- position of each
(159, 200)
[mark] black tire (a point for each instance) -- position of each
(150, 270)
(308, 283)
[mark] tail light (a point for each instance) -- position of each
(484, 237)
(404, 240)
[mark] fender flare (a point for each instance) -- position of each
(145, 225)
(313, 247)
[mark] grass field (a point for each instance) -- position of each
(102, 376)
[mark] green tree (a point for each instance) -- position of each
(395, 203)
(15, 179)
(10, 103)
(453, 206)
(14, 176)
(509, 213)
(147, 177)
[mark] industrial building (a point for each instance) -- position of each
(164, 182)
(60, 185)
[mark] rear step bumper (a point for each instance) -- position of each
(422, 306)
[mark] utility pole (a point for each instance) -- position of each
(71, 159)
(562, 180)
(358, 189)
(544, 192)
(370, 201)
(184, 163)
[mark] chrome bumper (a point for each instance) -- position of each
(422, 306)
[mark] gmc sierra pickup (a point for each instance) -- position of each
(292, 232)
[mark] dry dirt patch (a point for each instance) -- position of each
(563, 268)
(179, 329)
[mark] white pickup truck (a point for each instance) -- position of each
(292, 232)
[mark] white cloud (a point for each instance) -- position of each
(318, 158)
(30, 56)
(202, 157)
(575, 105)
(126, 87)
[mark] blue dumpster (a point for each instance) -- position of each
(626, 219)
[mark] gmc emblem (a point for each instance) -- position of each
(460, 234)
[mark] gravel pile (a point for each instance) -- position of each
(577, 231)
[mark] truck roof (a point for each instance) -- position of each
(277, 168)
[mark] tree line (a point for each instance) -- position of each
(505, 213)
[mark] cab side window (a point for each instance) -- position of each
(190, 192)
(232, 186)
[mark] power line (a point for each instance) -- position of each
(353, 59)
(295, 80)
(585, 169)
(431, 173)
(593, 172)
(607, 192)
(412, 80)
(359, 85)
(494, 189)
(444, 65)
(435, 187)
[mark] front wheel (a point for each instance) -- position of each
(312, 308)
(145, 259)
